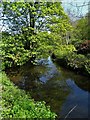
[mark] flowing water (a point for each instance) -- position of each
(66, 92)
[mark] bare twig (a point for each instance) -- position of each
(70, 111)
(79, 5)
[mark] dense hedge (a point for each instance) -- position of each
(17, 104)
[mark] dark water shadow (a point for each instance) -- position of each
(60, 88)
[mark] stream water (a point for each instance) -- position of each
(66, 92)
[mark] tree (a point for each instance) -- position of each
(81, 29)
(35, 25)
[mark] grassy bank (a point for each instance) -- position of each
(16, 104)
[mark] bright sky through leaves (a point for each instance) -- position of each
(81, 9)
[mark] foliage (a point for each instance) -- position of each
(37, 15)
(34, 28)
(16, 104)
(76, 60)
(87, 66)
(76, 42)
(47, 42)
(14, 52)
(71, 59)
(81, 29)
(79, 61)
(63, 50)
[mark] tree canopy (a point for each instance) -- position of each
(34, 28)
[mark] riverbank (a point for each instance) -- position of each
(16, 104)
(67, 57)
(57, 86)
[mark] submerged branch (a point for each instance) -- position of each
(70, 111)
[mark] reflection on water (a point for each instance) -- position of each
(65, 92)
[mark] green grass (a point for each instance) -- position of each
(17, 104)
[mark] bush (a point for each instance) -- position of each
(79, 62)
(66, 56)
(17, 104)
(76, 61)
(63, 50)
(87, 66)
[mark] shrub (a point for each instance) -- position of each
(76, 61)
(66, 56)
(80, 62)
(87, 66)
(63, 50)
